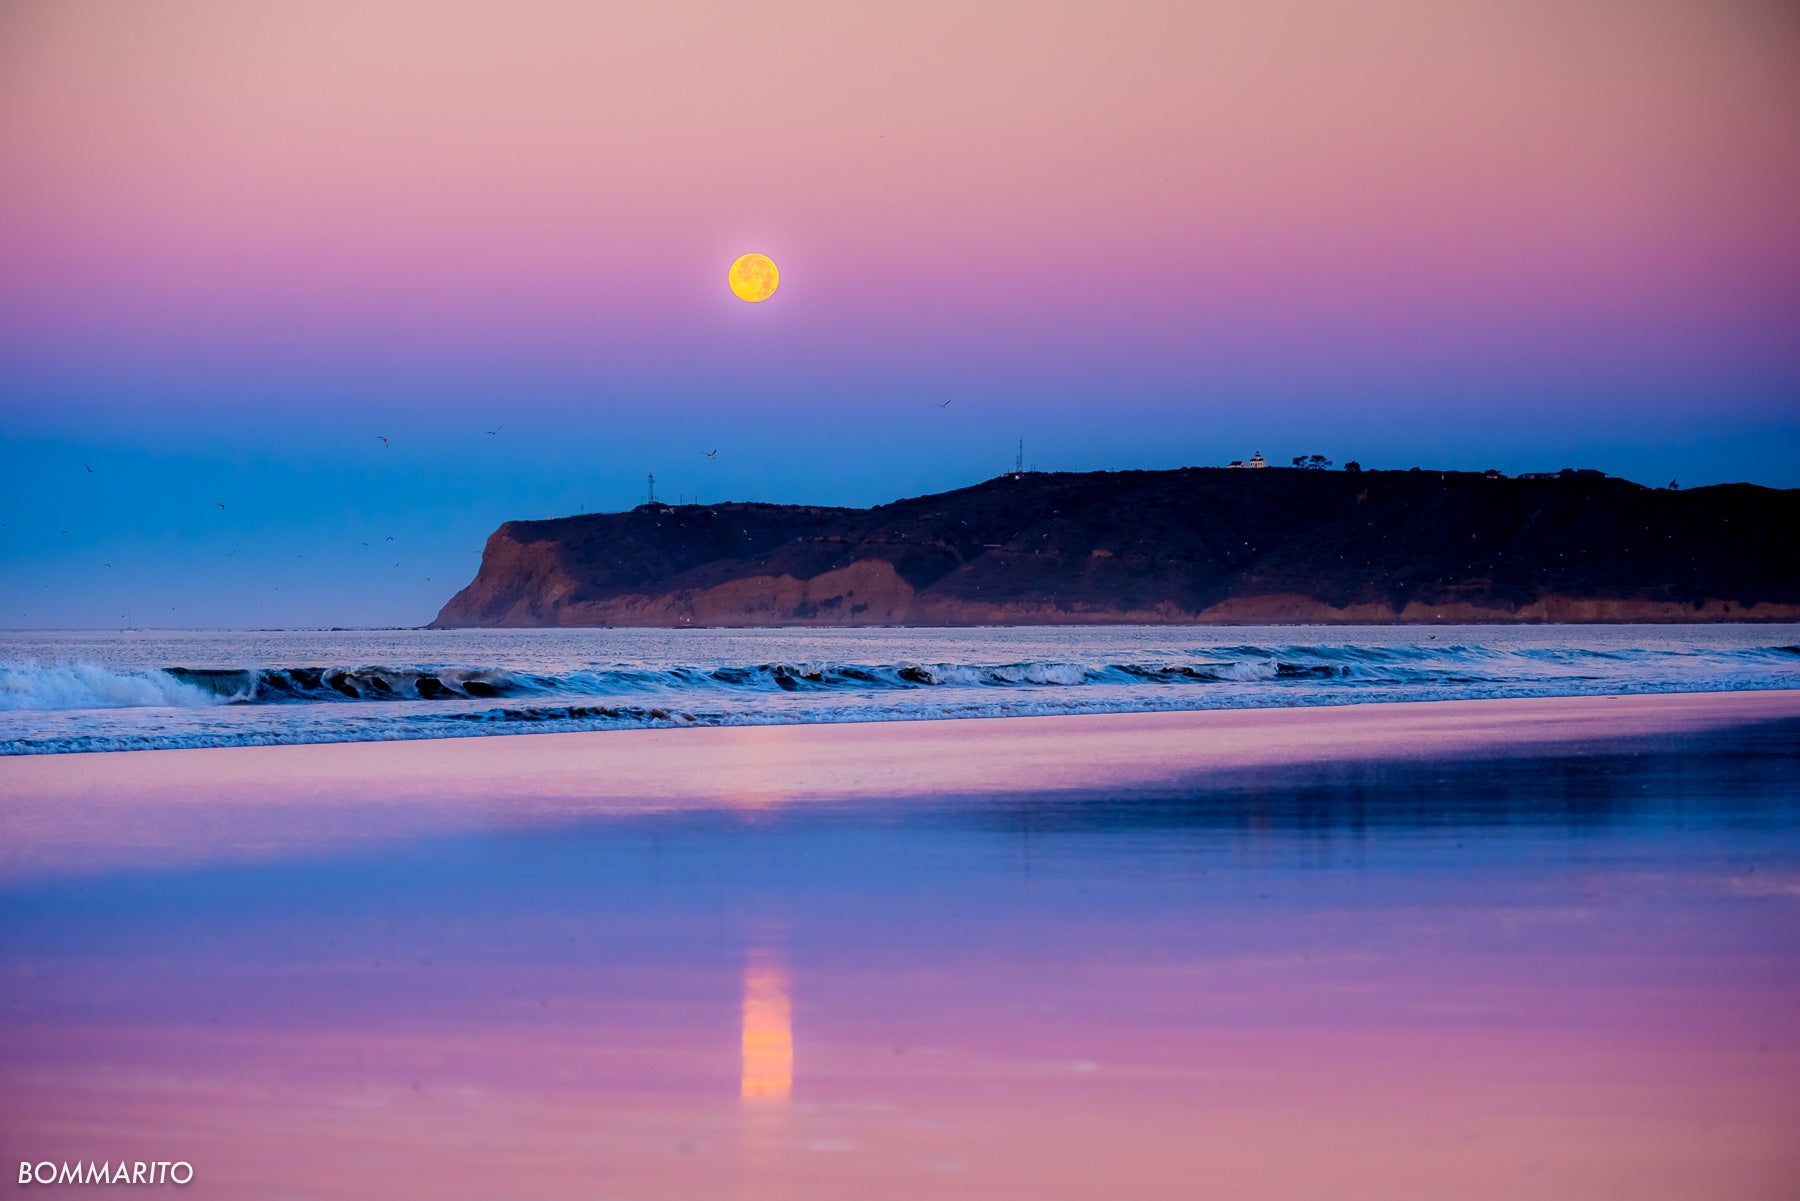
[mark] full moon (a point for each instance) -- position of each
(753, 277)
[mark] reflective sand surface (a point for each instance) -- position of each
(1558, 972)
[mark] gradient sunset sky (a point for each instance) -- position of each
(240, 242)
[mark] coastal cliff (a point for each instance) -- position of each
(1190, 545)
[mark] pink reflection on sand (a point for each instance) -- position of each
(1632, 1039)
(999, 1096)
(79, 813)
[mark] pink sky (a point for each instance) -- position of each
(565, 171)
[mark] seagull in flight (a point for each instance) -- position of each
(495, 430)
(384, 441)
(711, 454)
(946, 404)
(220, 503)
(90, 470)
(390, 537)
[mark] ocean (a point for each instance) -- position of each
(69, 691)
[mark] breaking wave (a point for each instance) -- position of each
(85, 686)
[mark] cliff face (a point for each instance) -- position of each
(1194, 545)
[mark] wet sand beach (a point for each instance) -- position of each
(195, 805)
(1477, 949)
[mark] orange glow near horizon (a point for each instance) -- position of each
(768, 1034)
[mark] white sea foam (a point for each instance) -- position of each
(88, 686)
(139, 690)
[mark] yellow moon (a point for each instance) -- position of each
(753, 277)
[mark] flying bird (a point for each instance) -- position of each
(90, 470)
(711, 454)
(384, 441)
(946, 404)
(496, 430)
(390, 537)
(220, 503)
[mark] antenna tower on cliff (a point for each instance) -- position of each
(652, 499)
(1019, 463)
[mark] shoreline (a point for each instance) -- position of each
(1505, 622)
(160, 807)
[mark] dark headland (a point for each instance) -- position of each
(1191, 545)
